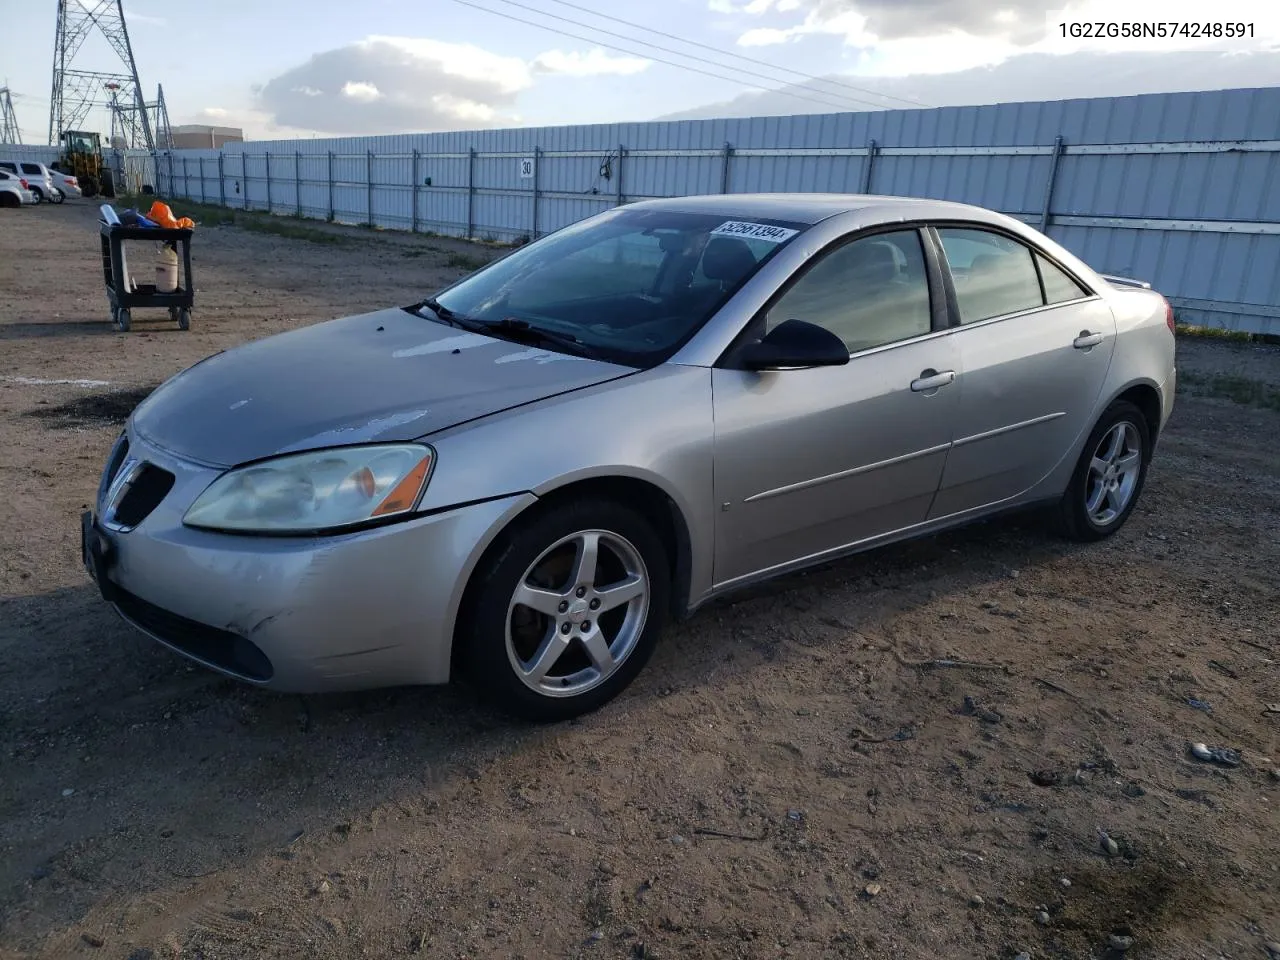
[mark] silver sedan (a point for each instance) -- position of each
(521, 478)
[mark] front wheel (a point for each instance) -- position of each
(565, 610)
(1109, 476)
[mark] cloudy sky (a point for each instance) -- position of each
(320, 67)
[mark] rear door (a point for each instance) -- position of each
(809, 461)
(1035, 345)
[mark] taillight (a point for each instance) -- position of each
(1168, 316)
(71, 182)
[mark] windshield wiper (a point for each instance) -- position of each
(523, 329)
(445, 314)
(514, 329)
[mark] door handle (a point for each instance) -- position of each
(1086, 340)
(932, 380)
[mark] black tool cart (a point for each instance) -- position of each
(123, 299)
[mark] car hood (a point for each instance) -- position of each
(385, 376)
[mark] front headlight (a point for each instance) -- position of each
(321, 490)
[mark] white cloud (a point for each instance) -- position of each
(463, 109)
(132, 16)
(766, 36)
(594, 62)
(463, 60)
(721, 6)
(215, 113)
(364, 92)
(390, 84)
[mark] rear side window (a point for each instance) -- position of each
(32, 168)
(993, 275)
(1058, 286)
(11, 167)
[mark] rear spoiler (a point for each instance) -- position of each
(1125, 281)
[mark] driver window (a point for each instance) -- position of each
(869, 292)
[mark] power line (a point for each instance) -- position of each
(646, 56)
(842, 102)
(738, 56)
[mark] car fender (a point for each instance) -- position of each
(655, 427)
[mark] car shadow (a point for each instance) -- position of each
(127, 767)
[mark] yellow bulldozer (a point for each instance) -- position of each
(81, 157)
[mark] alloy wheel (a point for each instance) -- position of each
(577, 613)
(1113, 473)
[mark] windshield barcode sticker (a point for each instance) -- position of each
(753, 231)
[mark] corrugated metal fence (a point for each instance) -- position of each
(1180, 189)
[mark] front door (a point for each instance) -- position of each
(809, 461)
(1036, 348)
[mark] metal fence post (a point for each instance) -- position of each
(621, 151)
(537, 163)
(172, 185)
(471, 192)
(267, 155)
(186, 179)
(244, 176)
(413, 228)
(203, 199)
(724, 167)
(332, 215)
(222, 186)
(297, 183)
(368, 169)
(1048, 187)
(872, 149)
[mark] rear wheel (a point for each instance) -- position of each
(565, 610)
(184, 319)
(123, 320)
(8, 199)
(39, 197)
(1109, 476)
(58, 196)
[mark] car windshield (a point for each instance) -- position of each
(630, 286)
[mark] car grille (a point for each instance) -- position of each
(143, 494)
(219, 648)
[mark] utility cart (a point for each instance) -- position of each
(121, 297)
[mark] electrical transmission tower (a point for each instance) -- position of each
(8, 119)
(76, 92)
(164, 133)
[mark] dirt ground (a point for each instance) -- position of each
(778, 783)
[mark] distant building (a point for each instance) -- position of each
(200, 135)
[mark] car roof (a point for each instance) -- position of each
(811, 208)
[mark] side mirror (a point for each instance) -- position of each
(794, 344)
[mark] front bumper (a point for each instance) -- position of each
(302, 614)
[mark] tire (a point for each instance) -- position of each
(184, 319)
(123, 320)
(58, 196)
(8, 199)
(1097, 483)
(499, 641)
(35, 192)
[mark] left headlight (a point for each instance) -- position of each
(315, 491)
